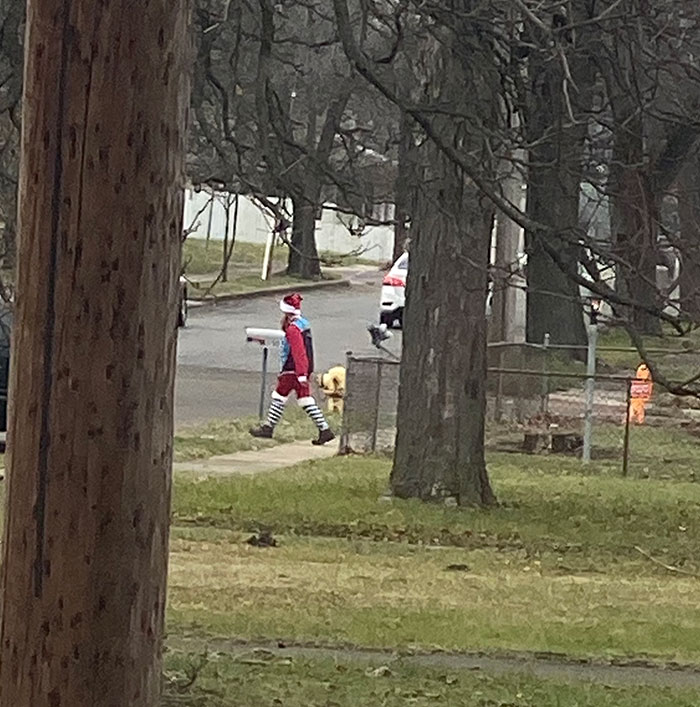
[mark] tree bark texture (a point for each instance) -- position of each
(634, 220)
(303, 255)
(689, 215)
(553, 298)
(404, 187)
(90, 440)
(442, 389)
(553, 192)
(442, 393)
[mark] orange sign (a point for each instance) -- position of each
(641, 389)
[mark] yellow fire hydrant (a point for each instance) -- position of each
(333, 385)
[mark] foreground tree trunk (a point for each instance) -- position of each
(442, 390)
(442, 393)
(90, 440)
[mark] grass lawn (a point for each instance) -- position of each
(202, 260)
(666, 453)
(225, 682)
(203, 257)
(230, 436)
(677, 357)
(553, 569)
(251, 281)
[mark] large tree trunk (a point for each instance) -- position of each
(90, 440)
(554, 183)
(442, 389)
(689, 215)
(634, 221)
(303, 255)
(442, 393)
(553, 298)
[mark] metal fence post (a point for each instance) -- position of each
(344, 432)
(590, 391)
(263, 383)
(626, 446)
(377, 399)
(544, 403)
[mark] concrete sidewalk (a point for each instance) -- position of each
(258, 461)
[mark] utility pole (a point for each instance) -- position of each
(91, 414)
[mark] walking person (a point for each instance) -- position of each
(297, 358)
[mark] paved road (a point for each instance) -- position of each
(219, 373)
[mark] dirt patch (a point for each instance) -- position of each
(544, 666)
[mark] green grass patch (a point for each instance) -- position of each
(226, 681)
(202, 257)
(547, 507)
(668, 452)
(251, 281)
(389, 595)
(554, 568)
(203, 260)
(678, 358)
(230, 436)
(331, 258)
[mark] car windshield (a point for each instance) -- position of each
(402, 262)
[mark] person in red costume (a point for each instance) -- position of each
(297, 358)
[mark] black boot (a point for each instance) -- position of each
(324, 436)
(262, 432)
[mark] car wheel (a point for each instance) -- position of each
(182, 313)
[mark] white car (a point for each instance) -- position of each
(394, 293)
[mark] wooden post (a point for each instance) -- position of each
(90, 440)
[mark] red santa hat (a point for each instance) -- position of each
(291, 304)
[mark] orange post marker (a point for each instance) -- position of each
(641, 391)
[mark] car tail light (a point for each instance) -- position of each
(391, 281)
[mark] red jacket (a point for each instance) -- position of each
(297, 348)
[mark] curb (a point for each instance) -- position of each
(277, 289)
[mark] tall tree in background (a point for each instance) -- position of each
(558, 102)
(651, 80)
(689, 216)
(442, 394)
(87, 511)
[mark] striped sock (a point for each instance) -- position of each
(309, 406)
(274, 414)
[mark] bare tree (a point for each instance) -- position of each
(283, 116)
(442, 394)
(87, 512)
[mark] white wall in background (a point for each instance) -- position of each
(253, 225)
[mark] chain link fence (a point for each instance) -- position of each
(371, 402)
(537, 404)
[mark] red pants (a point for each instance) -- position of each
(288, 383)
